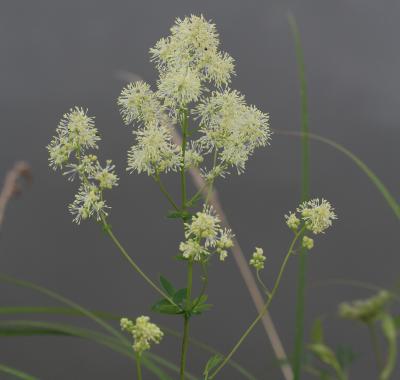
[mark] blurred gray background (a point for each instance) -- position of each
(57, 54)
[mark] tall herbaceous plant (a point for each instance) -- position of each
(219, 133)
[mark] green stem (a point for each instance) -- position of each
(305, 183)
(165, 192)
(185, 124)
(204, 287)
(264, 308)
(138, 367)
(261, 282)
(186, 318)
(375, 346)
(122, 250)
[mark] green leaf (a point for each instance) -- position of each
(67, 311)
(184, 215)
(168, 287)
(201, 308)
(165, 307)
(179, 295)
(326, 356)
(211, 364)
(317, 331)
(16, 373)
(32, 328)
(40, 289)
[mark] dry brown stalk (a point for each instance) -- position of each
(11, 187)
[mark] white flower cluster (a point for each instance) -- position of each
(232, 128)
(192, 50)
(204, 236)
(193, 73)
(258, 258)
(317, 215)
(143, 332)
(76, 134)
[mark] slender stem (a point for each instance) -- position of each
(210, 186)
(204, 287)
(264, 309)
(305, 184)
(186, 318)
(261, 282)
(122, 250)
(138, 367)
(185, 124)
(375, 346)
(165, 192)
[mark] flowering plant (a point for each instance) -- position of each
(219, 133)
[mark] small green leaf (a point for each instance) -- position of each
(201, 308)
(211, 364)
(200, 300)
(325, 355)
(179, 295)
(165, 307)
(184, 215)
(168, 287)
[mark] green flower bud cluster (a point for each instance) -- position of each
(144, 333)
(366, 310)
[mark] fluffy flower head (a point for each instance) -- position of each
(231, 127)
(193, 43)
(317, 215)
(88, 202)
(154, 151)
(204, 225)
(139, 103)
(75, 132)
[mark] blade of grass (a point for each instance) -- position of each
(65, 311)
(26, 284)
(389, 198)
(33, 328)
(16, 373)
(305, 189)
(40, 289)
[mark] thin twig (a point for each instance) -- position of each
(11, 186)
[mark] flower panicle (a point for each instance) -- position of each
(68, 150)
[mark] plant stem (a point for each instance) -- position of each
(186, 318)
(305, 183)
(375, 346)
(185, 124)
(165, 192)
(138, 367)
(265, 307)
(261, 282)
(122, 250)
